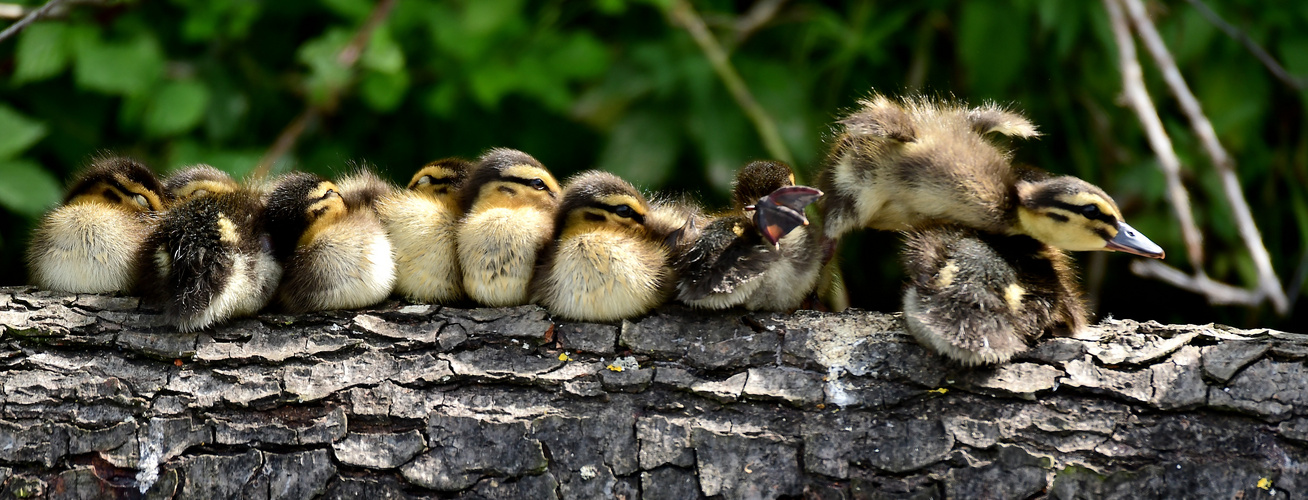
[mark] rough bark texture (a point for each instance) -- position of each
(100, 399)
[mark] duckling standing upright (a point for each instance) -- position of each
(421, 221)
(609, 258)
(210, 258)
(913, 163)
(509, 204)
(90, 244)
(335, 255)
(768, 261)
(979, 298)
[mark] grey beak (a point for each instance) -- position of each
(1131, 241)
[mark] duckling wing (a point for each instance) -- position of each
(727, 255)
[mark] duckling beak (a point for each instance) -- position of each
(1131, 241)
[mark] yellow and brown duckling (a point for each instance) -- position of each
(509, 203)
(980, 298)
(762, 255)
(335, 254)
(90, 243)
(421, 221)
(910, 163)
(198, 180)
(210, 258)
(610, 257)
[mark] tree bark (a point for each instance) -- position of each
(101, 399)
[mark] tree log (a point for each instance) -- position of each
(101, 399)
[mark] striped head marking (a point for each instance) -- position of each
(1072, 214)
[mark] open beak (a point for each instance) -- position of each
(1131, 241)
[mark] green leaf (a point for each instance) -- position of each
(117, 67)
(441, 99)
(17, 132)
(176, 108)
(382, 53)
(26, 188)
(992, 42)
(579, 55)
(490, 81)
(384, 91)
(42, 52)
(326, 74)
(642, 148)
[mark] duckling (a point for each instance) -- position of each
(90, 243)
(979, 297)
(767, 261)
(363, 188)
(210, 258)
(421, 222)
(906, 164)
(198, 180)
(610, 255)
(335, 256)
(508, 205)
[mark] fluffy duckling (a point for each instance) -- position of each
(508, 205)
(768, 261)
(90, 243)
(610, 257)
(198, 180)
(335, 256)
(915, 162)
(210, 258)
(421, 221)
(363, 188)
(979, 297)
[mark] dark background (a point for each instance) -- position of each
(621, 85)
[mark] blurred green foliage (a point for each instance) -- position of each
(614, 84)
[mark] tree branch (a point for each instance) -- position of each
(684, 14)
(1279, 72)
(1268, 282)
(31, 17)
(347, 57)
(1137, 97)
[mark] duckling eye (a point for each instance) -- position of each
(1091, 212)
(329, 193)
(539, 184)
(140, 200)
(624, 211)
(425, 180)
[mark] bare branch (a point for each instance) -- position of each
(759, 14)
(1268, 281)
(347, 57)
(1137, 96)
(31, 17)
(1279, 72)
(1200, 283)
(682, 13)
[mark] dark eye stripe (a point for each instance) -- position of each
(527, 182)
(636, 216)
(1057, 217)
(1078, 209)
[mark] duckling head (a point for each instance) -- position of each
(600, 201)
(441, 179)
(1072, 214)
(759, 179)
(300, 207)
(199, 180)
(508, 178)
(119, 182)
